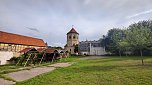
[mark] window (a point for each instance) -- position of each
(69, 37)
(73, 37)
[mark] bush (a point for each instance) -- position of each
(14, 60)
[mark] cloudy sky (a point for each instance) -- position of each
(50, 20)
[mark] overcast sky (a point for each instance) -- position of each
(50, 20)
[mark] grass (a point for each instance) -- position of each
(4, 69)
(12, 67)
(104, 71)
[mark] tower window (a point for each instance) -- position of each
(73, 37)
(69, 37)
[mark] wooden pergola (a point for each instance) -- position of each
(49, 54)
(29, 54)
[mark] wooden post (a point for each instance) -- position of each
(34, 58)
(20, 59)
(53, 57)
(27, 60)
(42, 58)
(18, 62)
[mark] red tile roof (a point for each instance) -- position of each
(72, 31)
(20, 39)
(27, 50)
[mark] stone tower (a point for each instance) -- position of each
(72, 40)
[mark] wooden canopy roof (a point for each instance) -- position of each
(28, 50)
(46, 50)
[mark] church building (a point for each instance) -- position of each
(72, 41)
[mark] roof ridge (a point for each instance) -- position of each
(73, 31)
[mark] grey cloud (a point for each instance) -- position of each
(33, 29)
(53, 18)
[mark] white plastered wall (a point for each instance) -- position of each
(4, 56)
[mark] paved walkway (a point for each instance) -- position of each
(27, 74)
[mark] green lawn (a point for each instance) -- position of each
(4, 69)
(104, 71)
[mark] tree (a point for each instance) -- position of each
(139, 38)
(123, 45)
(147, 24)
(113, 39)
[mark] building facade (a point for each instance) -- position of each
(91, 48)
(72, 41)
(14, 42)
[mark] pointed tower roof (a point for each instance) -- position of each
(73, 31)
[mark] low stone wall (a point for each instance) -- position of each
(5, 56)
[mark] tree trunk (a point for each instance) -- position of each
(126, 52)
(119, 53)
(141, 57)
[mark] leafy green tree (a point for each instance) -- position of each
(147, 24)
(114, 37)
(123, 45)
(139, 38)
(116, 41)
